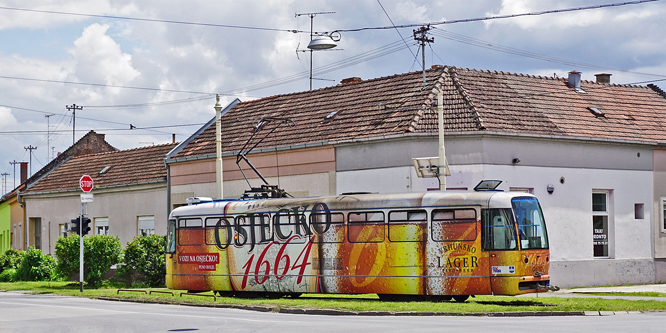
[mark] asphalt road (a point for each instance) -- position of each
(47, 313)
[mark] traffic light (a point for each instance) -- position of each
(86, 225)
(74, 225)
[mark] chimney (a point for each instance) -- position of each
(574, 81)
(24, 172)
(436, 67)
(603, 77)
(349, 80)
(173, 138)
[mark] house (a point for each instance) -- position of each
(129, 195)
(594, 153)
(15, 233)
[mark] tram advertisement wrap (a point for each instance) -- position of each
(337, 246)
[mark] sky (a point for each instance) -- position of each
(160, 78)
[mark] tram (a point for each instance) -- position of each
(433, 245)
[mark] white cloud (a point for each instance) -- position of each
(99, 58)
(7, 119)
(409, 11)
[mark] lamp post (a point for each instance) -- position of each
(218, 148)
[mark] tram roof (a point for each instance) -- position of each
(356, 201)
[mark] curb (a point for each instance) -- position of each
(334, 312)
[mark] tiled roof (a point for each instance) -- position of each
(474, 100)
(128, 167)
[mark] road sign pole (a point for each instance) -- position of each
(81, 248)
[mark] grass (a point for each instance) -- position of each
(366, 302)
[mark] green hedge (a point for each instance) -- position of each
(100, 252)
(143, 261)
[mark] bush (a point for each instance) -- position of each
(100, 252)
(35, 266)
(144, 258)
(8, 275)
(10, 259)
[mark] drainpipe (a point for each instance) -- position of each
(27, 228)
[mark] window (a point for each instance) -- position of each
(146, 225)
(407, 225)
(171, 237)
(531, 225)
(101, 226)
(190, 231)
(365, 227)
(453, 225)
(219, 230)
(328, 227)
(639, 213)
(62, 230)
(663, 214)
(600, 225)
(497, 229)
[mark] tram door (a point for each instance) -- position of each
(456, 263)
(499, 240)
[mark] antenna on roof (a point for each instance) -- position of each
(266, 190)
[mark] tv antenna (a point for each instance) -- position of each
(319, 41)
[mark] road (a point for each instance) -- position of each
(49, 313)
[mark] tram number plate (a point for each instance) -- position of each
(504, 269)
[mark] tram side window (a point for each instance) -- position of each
(407, 225)
(453, 225)
(328, 227)
(365, 227)
(287, 224)
(498, 231)
(190, 231)
(221, 226)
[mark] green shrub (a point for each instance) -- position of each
(35, 266)
(10, 259)
(143, 258)
(100, 252)
(8, 275)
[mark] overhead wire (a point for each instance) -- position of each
(149, 20)
(497, 17)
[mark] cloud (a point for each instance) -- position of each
(7, 119)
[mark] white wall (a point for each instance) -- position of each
(121, 205)
(568, 213)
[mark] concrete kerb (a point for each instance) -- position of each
(335, 312)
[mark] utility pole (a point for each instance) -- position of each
(73, 108)
(4, 183)
(422, 38)
(48, 138)
(14, 163)
(30, 148)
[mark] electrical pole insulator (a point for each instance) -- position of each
(421, 35)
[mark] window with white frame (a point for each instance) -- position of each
(146, 225)
(62, 230)
(663, 214)
(600, 223)
(101, 226)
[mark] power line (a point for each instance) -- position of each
(32, 132)
(103, 85)
(618, 4)
(151, 20)
(396, 29)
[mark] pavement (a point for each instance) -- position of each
(659, 288)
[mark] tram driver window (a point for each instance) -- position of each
(498, 231)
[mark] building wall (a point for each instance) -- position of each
(18, 226)
(5, 223)
(578, 169)
(659, 214)
(122, 206)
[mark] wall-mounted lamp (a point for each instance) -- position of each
(515, 160)
(550, 188)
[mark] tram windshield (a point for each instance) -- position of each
(171, 237)
(531, 225)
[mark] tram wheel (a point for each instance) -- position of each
(461, 298)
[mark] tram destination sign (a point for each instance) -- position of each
(86, 183)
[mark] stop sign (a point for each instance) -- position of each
(86, 183)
